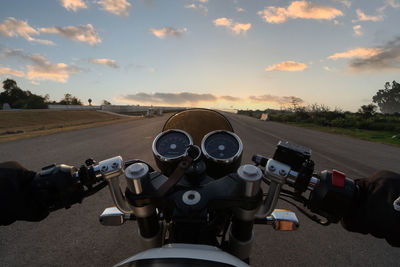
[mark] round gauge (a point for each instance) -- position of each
(223, 152)
(222, 146)
(171, 144)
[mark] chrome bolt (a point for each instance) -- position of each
(282, 172)
(104, 168)
(272, 168)
(115, 165)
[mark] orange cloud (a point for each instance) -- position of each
(40, 68)
(11, 27)
(116, 7)
(9, 71)
(363, 17)
(358, 52)
(203, 9)
(81, 33)
(167, 31)
(236, 28)
(299, 9)
(357, 30)
(73, 5)
(287, 66)
(105, 61)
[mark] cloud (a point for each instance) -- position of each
(361, 16)
(236, 28)
(282, 100)
(357, 30)
(167, 31)
(203, 9)
(116, 7)
(299, 9)
(327, 68)
(202, 1)
(287, 66)
(359, 52)
(11, 27)
(187, 98)
(73, 5)
(81, 33)
(104, 61)
(230, 98)
(387, 57)
(42, 69)
(12, 72)
(239, 9)
(393, 3)
(346, 3)
(170, 98)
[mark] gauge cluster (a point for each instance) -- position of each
(222, 151)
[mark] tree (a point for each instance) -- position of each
(70, 100)
(18, 98)
(105, 103)
(90, 101)
(388, 99)
(367, 110)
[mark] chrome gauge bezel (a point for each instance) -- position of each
(167, 159)
(223, 161)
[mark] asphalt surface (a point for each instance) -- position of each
(74, 237)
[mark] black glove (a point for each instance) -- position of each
(25, 195)
(373, 211)
(17, 201)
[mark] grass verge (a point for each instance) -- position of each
(375, 136)
(29, 123)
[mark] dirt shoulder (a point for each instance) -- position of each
(28, 123)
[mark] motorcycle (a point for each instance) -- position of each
(200, 207)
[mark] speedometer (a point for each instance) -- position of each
(169, 147)
(223, 151)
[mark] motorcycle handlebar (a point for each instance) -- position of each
(62, 185)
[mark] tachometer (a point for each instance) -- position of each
(223, 151)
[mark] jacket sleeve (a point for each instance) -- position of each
(17, 201)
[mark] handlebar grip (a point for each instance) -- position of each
(333, 196)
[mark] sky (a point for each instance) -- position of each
(241, 54)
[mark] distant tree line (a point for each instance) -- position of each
(21, 99)
(367, 117)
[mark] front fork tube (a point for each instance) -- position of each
(241, 234)
(150, 229)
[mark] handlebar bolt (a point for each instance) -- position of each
(282, 172)
(115, 165)
(104, 168)
(272, 168)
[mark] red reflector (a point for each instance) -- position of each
(338, 178)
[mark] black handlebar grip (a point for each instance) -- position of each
(333, 196)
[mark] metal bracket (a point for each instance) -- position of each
(283, 220)
(277, 172)
(114, 217)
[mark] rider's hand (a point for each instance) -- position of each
(374, 211)
(17, 200)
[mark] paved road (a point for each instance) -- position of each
(75, 238)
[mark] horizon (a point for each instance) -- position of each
(220, 54)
